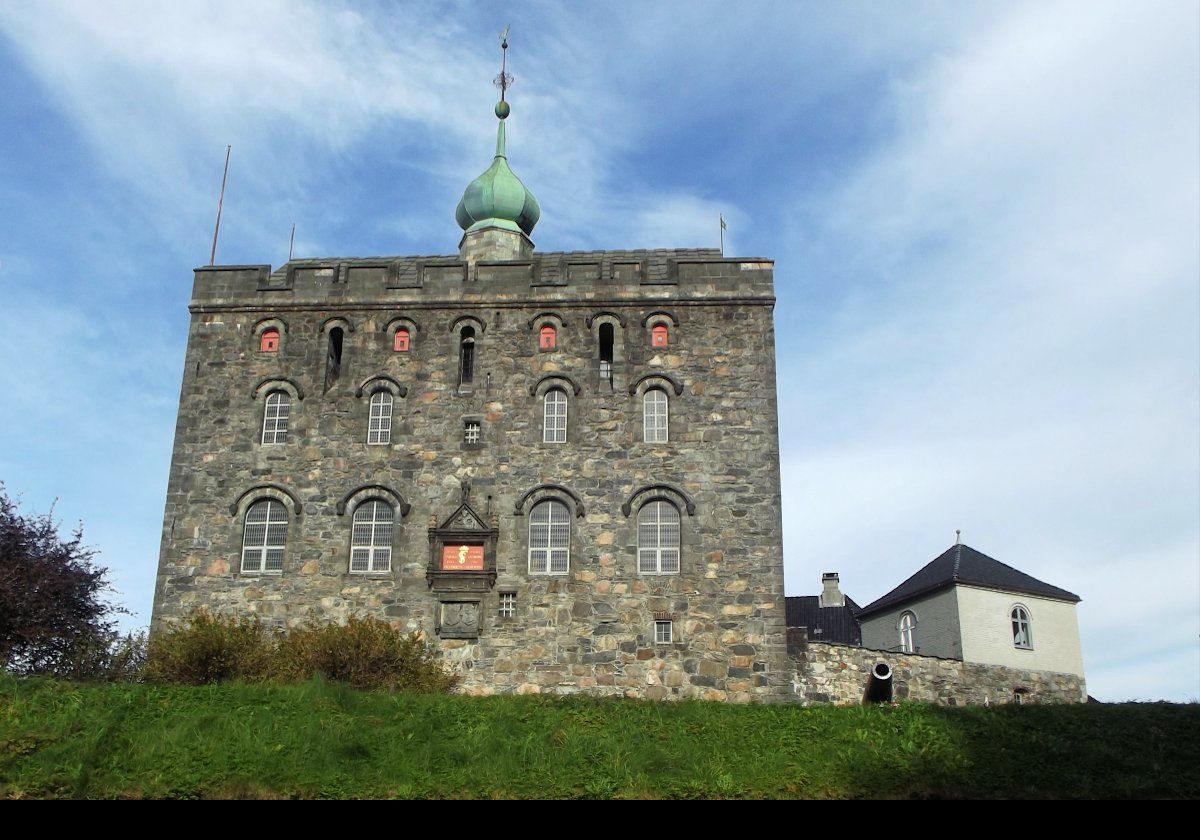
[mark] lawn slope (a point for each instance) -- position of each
(317, 740)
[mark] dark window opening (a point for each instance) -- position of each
(466, 356)
(606, 352)
(333, 359)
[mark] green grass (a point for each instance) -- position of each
(318, 740)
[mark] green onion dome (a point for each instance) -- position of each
(497, 198)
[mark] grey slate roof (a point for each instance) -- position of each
(825, 624)
(963, 564)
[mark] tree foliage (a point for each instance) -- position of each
(53, 609)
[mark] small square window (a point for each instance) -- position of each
(664, 632)
(471, 432)
(401, 345)
(508, 604)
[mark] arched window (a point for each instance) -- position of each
(554, 416)
(1022, 627)
(658, 335)
(908, 632)
(401, 341)
(265, 537)
(466, 356)
(658, 538)
(547, 337)
(371, 537)
(333, 357)
(655, 415)
(268, 342)
(607, 333)
(275, 417)
(549, 538)
(379, 428)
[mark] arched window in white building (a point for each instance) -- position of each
(908, 632)
(1022, 627)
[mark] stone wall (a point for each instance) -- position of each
(591, 630)
(827, 673)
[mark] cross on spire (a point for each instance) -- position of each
(504, 79)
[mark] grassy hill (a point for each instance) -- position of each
(327, 741)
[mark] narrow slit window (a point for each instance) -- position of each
(268, 342)
(656, 416)
(276, 414)
(379, 427)
(554, 417)
(547, 337)
(333, 357)
(606, 351)
(466, 356)
(401, 341)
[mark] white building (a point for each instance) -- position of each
(965, 605)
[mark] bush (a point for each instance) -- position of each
(209, 648)
(364, 652)
(109, 657)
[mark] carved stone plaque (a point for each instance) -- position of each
(458, 620)
(462, 558)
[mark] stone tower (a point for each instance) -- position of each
(561, 466)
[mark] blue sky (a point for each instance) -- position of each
(984, 219)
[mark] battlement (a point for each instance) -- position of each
(593, 276)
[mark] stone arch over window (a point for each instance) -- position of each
(656, 380)
(1022, 626)
(671, 492)
(365, 491)
(381, 382)
(277, 383)
(551, 380)
(549, 491)
(262, 328)
(658, 325)
(478, 323)
(907, 626)
(547, 330)
(607, 329)
(336, 322)
(278, 492)
(401, 330)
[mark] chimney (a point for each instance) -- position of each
(831, 595)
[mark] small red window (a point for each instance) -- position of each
(548, 337)
(401, 340)
(658, 335)
(268, 342)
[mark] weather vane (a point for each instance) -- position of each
(504, 79)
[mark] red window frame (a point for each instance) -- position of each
(268, 342)
(401, 343)
(659, 335)
(547, 337)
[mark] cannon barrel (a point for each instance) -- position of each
(879, 684)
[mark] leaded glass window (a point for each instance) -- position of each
(655, 403)
(371, 539)
(379, 429)
(658, 539)
(549, 539)
(275, 417)
(554, 428)
(265, 537)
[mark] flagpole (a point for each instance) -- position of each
(212, 257)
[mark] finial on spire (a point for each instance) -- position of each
(958, 536)
(504, 79)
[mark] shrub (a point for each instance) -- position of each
(108, 657)
(209, 648)
(365, 653)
